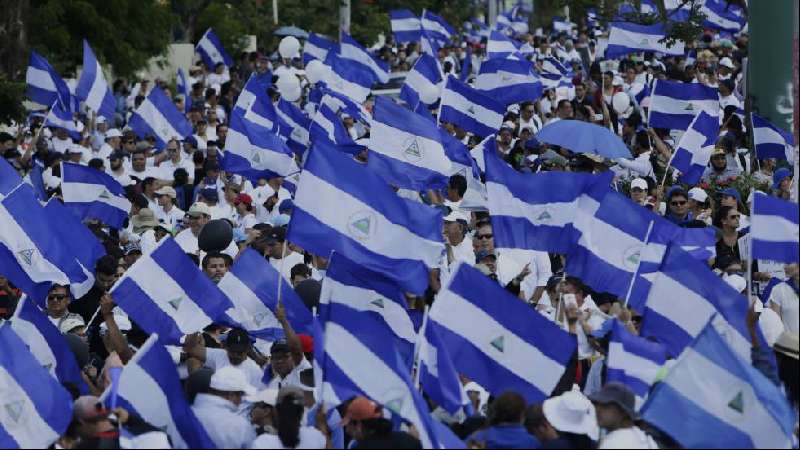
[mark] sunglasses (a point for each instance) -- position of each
(485, 236)
(678, 203)
(56, 297)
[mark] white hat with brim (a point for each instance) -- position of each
(698, 194)
(640, 183)
(268, 396)
(231, 379)
(572, 412)
(199, 208)
(113, 133)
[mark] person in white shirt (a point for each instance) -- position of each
(218, 410)
(615, 406)
(168, 214)
(283, 263)
(117, 169)
(235, 354)
(639, 166)
(285, 373)
(459, 249)
(784, 300)
(111, 144)
(220, 76)
(61, 141)
(177, 160)
(528, 117)
(290, 411)
(245, 219)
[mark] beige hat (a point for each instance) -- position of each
(144, 221)
(788, 344)
(231, 379)
(167, 190)
(199, 208)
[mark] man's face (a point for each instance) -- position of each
(139, 162)
(236, 358)
(484, 239)
(129, 145)
(731, 221)
(719, 162)
(637, 195)
(222, 133)
(172, 151)
(505, 137)
(282, 363)
(679, 205)
(454, 232)
(164, 200)
(580, 91)
(565, 110)
(116, 164)
(217, 268)
(105, 282)
(57, 302)
(527, 113)
(608, 416)
(729, 200)
(197, 222)
(275, 249)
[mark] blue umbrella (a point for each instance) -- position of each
(299, 33)
(584, 137)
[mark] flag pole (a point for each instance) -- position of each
(418, 347)
(280, 272)
(639, 263)
(750, 255)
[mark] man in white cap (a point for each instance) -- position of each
(197, 217)
(106, 148)
(459, 249)
(218, 409)
(639, 190)
(167, 213)
(698, 205)
(566, 421)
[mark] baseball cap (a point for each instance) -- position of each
(199, 209)
(617, 394)
(361, 408)
(698, 195)
(243, 198)
(268, 396)
(116, 155)
(231, 379)
(456, 216)
(276, 234)
(237, 341)
(100, 120)
(732, 192)
(780, 175)
(280, 346)
(726, 62)
(168, 191)
(481, 255)
(285, 206)
(639, 183)
(113, 133)
(210, 194)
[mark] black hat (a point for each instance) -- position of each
(617, 394)
(276, 234)
(280, 347)
(238, 341)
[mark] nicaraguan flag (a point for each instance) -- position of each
(293, 126)
(633, 361)
(470, 109)
(58, 117)
(695, 148)
(720, 15)
(255, 104)
(430, 46)
(437, 374)
(348, 284)
(36, 409)
(770, 141)
(340, 205)
(255, 152)
(183, 301)
(211, 50)
(406, 148)
(183, 87)
(92, 87)
(151, 388)
(157, 116)
(509, 81)
(625, 38)
(32, 255)
(535, 212)
(44, 85)
(673, 105)
(423, 83)
(774, 229)
(406, 26)
(318, 47)
(47, 344)
(355, 340)
(713, 398)
(514, 348)
(500, 46)
(9, 178)
(686, 284)
(327, 128)
(92, 194)
(352, 51)
(252, 287)
(353, 80)
(437, 27)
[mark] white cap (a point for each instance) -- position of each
(113, 133)
(697, 194)
(737, 282)
(72, 322)
(100, 120)
(231, 379)
(199, 208)
(617, 81)
(455, 216)
(123, 323)
(726, 62)
(572, 412)
(268, 396)
(639, 183)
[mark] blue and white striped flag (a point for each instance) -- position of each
(92, 88)
(406, 149)
(211, 50)
(293, 126)
(9, 178)
(561, 25)
(44, 85)
(551, 65)
(535, 212)
(353, 80)
(509, 81)
(514, 348)
(184, 301)
(430, 46)
(437, 374)
(184, 89)
(633, 361)
(157, 116)
(352, 50)
(256, 152)
(423, 83)
(342, 206)
(255, 104)
(685, 284)
(730, 403)
(437, 27)
(406, 26)
(58, 117)
(318, 47)
(252, 287)
(355, 340)
(695, 148)
(36, 409)
(775, 229)
(673, 105)
(500, 46)
(32, 255)
(625, 38)
(47, 344)
(348, 284)
(327, 128)
(470, 109)
(94, 195)
(721, 15)
(151, 388)
(771, 141)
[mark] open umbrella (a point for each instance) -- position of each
(299, 33)
(584, 137)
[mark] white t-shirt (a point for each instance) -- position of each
(784, 296)
(511, 262)
(309, 438)
(217, 358)
(292, 259)
(633, 438)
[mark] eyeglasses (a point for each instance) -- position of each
(678, 203)
(56, 297)
(485, 236)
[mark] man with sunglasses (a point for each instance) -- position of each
(58, 300)
(678, 210)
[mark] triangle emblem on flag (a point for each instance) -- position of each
(362, 225)
(471, 110)
(259, 318)
(395, 405)
(644, 42)
(378, 302)
(413, 151)
(689, 107)
(27, 256)
(176, 303)
(544, 216)
(15, 409)
(256, 157)
(105, 194)
(499, 344)
(737, 403)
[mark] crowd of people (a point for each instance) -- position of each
(178, 191)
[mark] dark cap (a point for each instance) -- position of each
(210, 194)
(237, 341)
(481, 255)
(280, 347)
(617, 394)
(276, 234)
(116, 155)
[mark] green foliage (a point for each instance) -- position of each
(123, 33)
(11, 98)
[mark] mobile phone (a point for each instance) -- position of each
(570, 300)
(598, 117)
